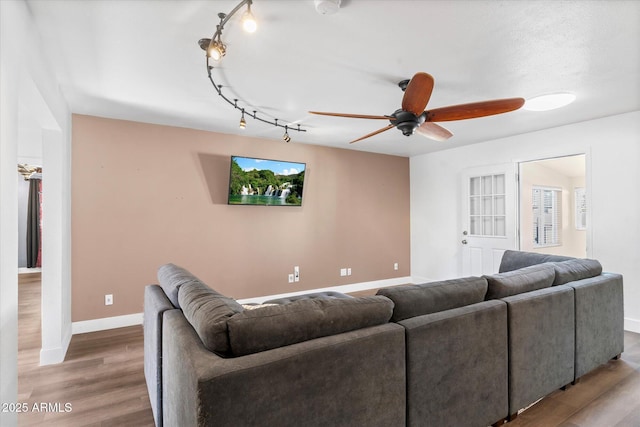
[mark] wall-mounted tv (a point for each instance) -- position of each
(255, 181)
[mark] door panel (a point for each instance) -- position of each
(488, 217)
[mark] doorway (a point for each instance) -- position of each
(40, 140)
(553, 206)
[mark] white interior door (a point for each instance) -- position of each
(489, 212)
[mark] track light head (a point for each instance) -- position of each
(243, 122)
(286, 136)
(215, 49)
(249, 23)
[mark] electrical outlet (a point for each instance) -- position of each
(291, 279)
(395, 265)
(349, 271)
(296, 273)
(108, 299)
(343, 272)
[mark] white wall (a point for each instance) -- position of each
(26, 80)
(8, 218)
(612, 146)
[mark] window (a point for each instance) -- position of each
(487, 206)
(547, 216)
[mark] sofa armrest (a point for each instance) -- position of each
(514, 260)
(155, 304)
(457, 366)
(354, 378)
(599, 320)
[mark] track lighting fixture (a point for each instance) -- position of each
(215, 49)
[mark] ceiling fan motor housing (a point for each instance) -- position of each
(406, 121)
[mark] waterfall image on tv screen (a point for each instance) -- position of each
(265, 182)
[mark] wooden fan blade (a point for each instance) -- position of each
(352, 116)
(474, 109)
(434, 131)
(417, 94)
(389, 126)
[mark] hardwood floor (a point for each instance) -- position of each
(102, 379)
(607, 396)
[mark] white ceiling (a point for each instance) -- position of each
(139, 60)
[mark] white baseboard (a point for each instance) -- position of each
(51, 356)
(632, 325)
(105, 323)
(420, 279)
(25, 270)
(354, 287)
(95, 325)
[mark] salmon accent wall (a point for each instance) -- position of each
(144, 195)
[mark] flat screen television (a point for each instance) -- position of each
(255, 181)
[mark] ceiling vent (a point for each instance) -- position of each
(327, 7)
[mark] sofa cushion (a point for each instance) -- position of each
(171, 278)
(576, 269)
(515, 260)
(519, 281)
(426, 298)
(208, 313)
(275, 326)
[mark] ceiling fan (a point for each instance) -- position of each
(413, 117)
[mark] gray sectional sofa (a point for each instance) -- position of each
(462, 352)
(316, 362)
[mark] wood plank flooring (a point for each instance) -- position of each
(102, 378)
(608, 396)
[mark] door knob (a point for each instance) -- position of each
(464, 242)
(464, 233)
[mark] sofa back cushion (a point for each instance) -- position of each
(275, 326)
(417, 300)
(208, 312)
(576, 269)
(514, 260)
(171, 278)
(519, 281)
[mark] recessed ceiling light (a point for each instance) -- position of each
(549, 102)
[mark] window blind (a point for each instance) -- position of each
(547, 216)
